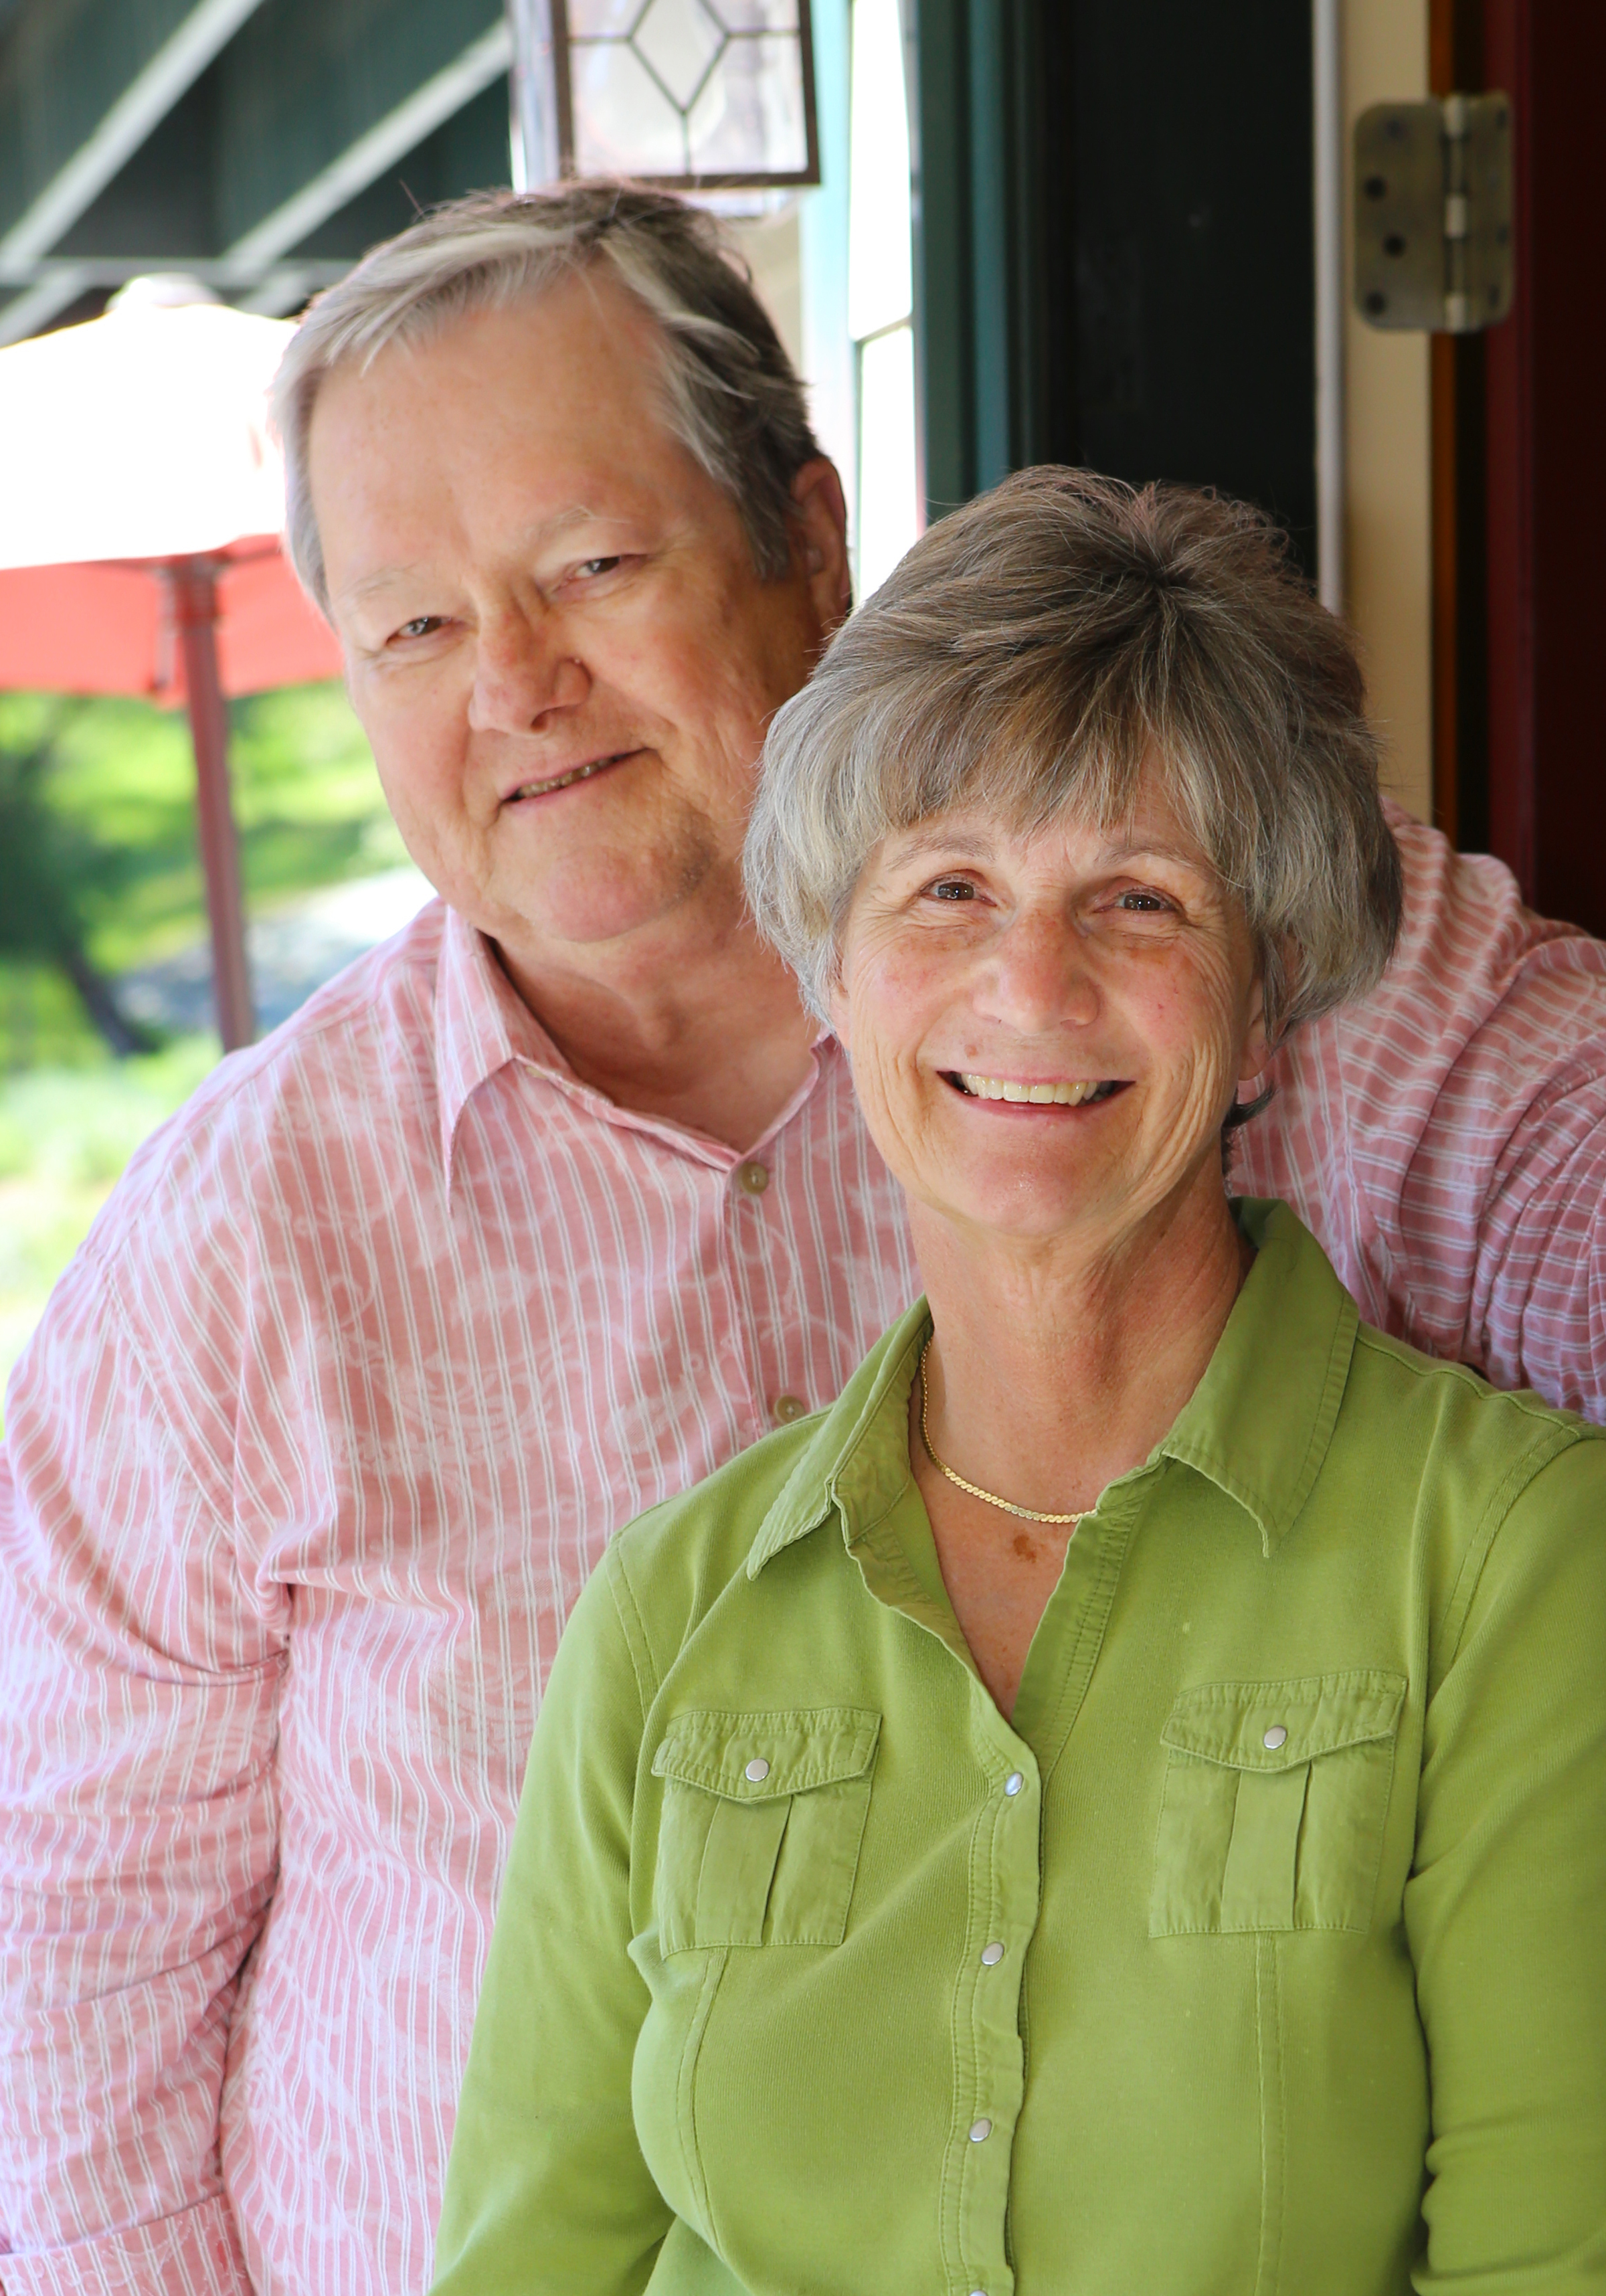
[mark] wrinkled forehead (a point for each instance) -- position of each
(575, 359)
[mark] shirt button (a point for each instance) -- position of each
(757, 1770)
(1274, 1737)
(993, 1954)
(788, 1408)
(1014, 1783)
(753, 1176)
(981, 2130)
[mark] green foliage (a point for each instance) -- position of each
(97, 821)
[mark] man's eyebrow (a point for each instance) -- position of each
(386, 578)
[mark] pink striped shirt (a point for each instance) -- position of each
(372, 1349)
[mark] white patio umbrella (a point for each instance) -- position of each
(140, 500)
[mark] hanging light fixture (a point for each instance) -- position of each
(692, 94)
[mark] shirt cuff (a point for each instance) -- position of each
(194, 2253)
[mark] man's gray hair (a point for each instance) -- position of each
(731, 394)
(1030, 655)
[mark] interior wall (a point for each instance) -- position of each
(1388, 441)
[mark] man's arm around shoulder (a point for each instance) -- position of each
(1446, 1137)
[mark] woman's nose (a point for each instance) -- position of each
(1042, 975)
(522, 676)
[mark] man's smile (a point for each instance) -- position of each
(566, 780)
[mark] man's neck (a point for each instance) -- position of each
(705, 1029)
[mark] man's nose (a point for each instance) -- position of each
(521, 675)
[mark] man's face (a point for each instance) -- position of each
(554, 635)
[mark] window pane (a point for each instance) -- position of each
(879, 273)
(679, 40)
(624, 123)
(757, 15)
(888, 502)
(748, 119)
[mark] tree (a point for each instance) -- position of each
(52, 871)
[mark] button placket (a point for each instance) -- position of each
(1006, 1896)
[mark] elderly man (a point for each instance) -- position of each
(530, 1220)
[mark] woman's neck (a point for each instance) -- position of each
(1054, 1369)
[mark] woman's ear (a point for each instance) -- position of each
(1256, 1055)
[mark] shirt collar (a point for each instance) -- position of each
(1257, 1425)
(481, 1023)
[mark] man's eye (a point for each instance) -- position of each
(421, 626)
(590, 568)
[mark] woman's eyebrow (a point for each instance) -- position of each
(972, 845)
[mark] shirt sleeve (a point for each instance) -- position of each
(546, 2190)
(1504, 1908)
(139, 1705)
(1445, 1138)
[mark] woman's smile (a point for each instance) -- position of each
(1016, 1092)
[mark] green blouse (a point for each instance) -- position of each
(1264, 1949)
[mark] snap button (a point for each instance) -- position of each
(788, 1408)
(757, 1770)
(753, 1176)
(1274, 1737)
(1014, 1783)
(991, 1954)
(981, 2130)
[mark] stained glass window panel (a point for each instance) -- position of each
(624, 122)
(684, 92)
(753, 102)
(678, 41)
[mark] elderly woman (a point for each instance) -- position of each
(1118, 1802)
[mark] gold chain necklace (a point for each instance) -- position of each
(1027, 1514)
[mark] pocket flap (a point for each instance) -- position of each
(1272, 1726)
(755, 1757)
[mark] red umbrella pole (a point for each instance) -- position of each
(194, 589)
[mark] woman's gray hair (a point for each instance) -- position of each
(1030, 655)
(731, 394)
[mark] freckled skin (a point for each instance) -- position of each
(1080, 1262)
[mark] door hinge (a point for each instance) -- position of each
(1433, 213)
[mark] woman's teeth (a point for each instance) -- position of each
(1047, 1095)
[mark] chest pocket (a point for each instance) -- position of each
(763, 1818)
(1275, 1802)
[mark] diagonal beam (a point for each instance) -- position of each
(148, 98)
(37, 306)
(390, 138)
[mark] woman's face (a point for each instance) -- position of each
(1109, 976)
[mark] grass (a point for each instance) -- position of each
(310, 813)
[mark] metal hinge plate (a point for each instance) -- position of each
(1433, 213)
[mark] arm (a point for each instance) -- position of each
(546, 2190)
(1506, 1909)
(139, 1699)
(1446, 1138)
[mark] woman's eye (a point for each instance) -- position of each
(952, 888)
(590, 568)
(1141, 903)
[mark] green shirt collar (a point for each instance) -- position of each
(1259, 1438)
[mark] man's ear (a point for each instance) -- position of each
(820, 541)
